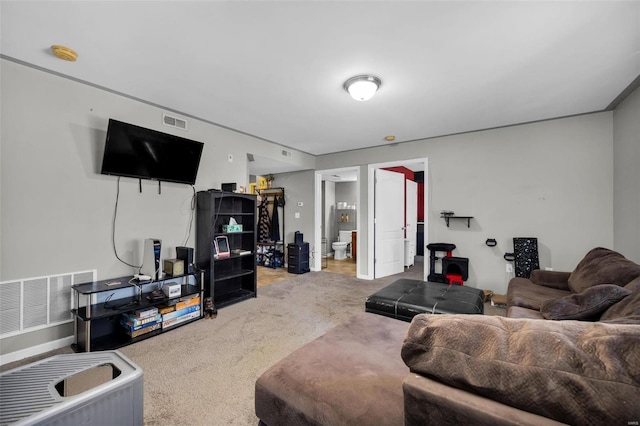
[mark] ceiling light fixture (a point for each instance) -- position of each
(362, 87)
(63, 52)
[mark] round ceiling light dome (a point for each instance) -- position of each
(63, 52)
(362, 87)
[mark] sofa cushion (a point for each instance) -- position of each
(555, 279)
(584, 305)
(628, 309)
(520, 312)
(571, 371)
(522, 292)
(602, 266)
(350, 375)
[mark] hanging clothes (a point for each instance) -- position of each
(264, 222)
(275, 222)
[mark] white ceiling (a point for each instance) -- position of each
(275, 69)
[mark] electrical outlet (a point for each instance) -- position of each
(509, 267)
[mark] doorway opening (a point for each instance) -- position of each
(364, 243)
(337, 202)
(417, 228)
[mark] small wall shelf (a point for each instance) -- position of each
(468, 219)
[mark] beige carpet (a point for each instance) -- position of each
(204, 373)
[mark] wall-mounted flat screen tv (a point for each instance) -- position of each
(136, 152)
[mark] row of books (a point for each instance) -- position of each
(163, 317)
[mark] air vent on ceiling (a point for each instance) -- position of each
(176, 122)
(286, 153)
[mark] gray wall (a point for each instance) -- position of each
(298, 188)
(626, 177)
(345, 192)
(56, 210)
(552, 180)
(329, 212)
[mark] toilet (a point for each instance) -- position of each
(340, 246)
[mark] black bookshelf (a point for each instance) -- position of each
(230, 279)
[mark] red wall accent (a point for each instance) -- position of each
(401, 169)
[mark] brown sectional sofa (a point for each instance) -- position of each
(475, 369)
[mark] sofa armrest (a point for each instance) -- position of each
(428, 402)
(553, 279)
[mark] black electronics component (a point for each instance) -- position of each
(229, 187)
(186, 255)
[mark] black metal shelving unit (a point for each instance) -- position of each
(97, 324)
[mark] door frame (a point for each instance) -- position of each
(316, 263)
(389, 223)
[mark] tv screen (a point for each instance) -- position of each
(136, 152)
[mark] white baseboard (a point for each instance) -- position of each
(35, 350)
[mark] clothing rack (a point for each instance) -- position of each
(273, 194)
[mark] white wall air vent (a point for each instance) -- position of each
(34, 303)
(286, 153)
(171, 121)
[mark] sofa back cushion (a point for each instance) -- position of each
(586, 305)
(602, 266)
(627, 311)
(574, 372)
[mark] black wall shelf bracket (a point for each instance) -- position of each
(447, 217)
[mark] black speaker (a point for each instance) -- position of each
(298, 238)
(186, 255)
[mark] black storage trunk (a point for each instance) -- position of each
(298, 258)
(403, 299)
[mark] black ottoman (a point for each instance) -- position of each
(403, 299)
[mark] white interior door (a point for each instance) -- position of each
(412, 215)
(388, 223)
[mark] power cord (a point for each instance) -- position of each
(113, 228)
(107, 305)
(193, 209)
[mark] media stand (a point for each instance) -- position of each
(99, 310)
